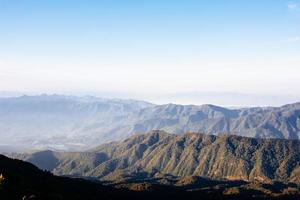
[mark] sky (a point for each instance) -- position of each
(227, 52)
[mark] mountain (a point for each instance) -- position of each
(269, 122)
(60, 122)
(22, 180)
(158, 154)
(72, 123)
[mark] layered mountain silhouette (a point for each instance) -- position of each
(159, 154)
(78, 123)
(112, 149)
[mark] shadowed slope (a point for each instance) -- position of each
(22, 180)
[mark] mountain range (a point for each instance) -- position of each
(159, 154)
(60, 122)
(71, 123)
(114, 148)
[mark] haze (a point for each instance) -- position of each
(161, 51)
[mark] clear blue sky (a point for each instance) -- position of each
(150, 47)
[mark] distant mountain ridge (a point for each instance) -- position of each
(60, 122)
(159, 154)
(78, 123)
(264, 122)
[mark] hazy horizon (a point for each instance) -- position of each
(192, 98)
(229, 53)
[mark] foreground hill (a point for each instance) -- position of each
(71, 123)
(158, 154)
(22, 180)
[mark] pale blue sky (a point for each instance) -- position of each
(146, 48)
